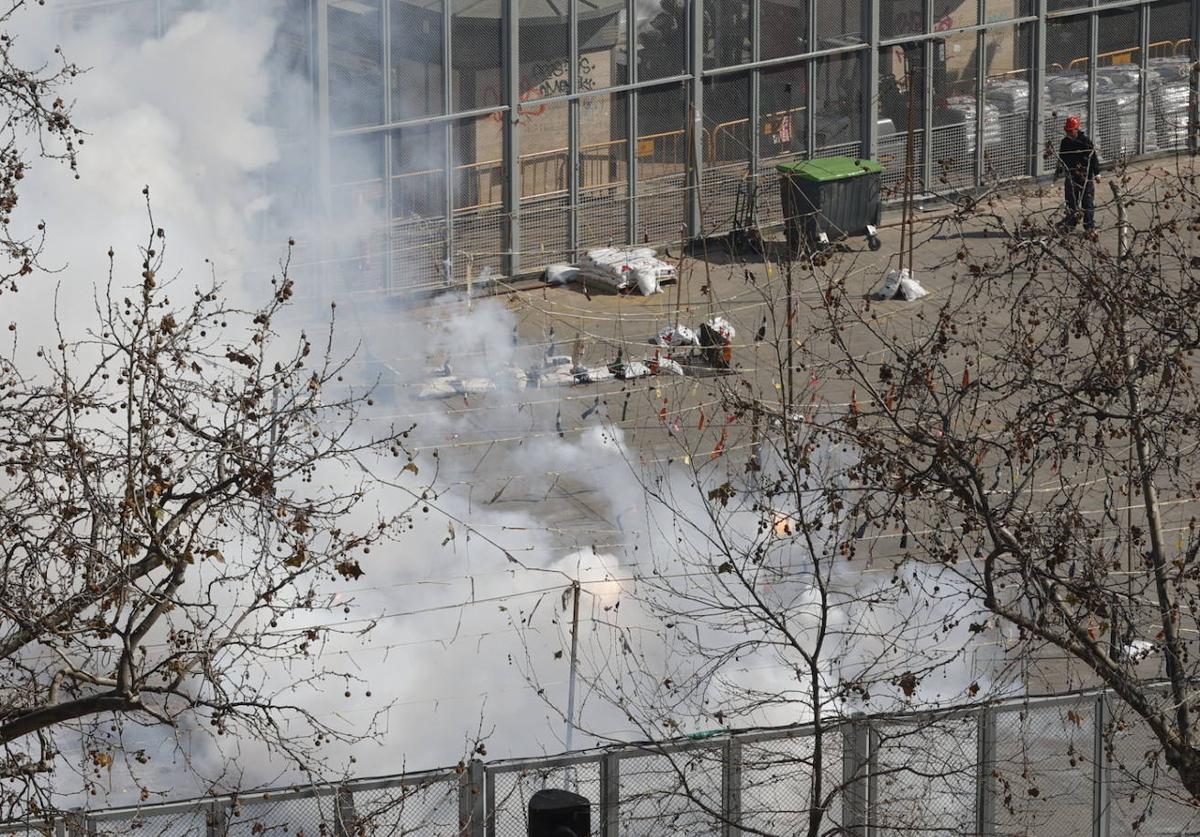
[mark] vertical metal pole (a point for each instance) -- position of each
(927, 147)
(731, 788)
(471, 808)
(610, 795)
(755, 112)
(75, 824)
(1093, 120)
(874, 743)
(810, 75)
(696, 112)
(870, 128)
(390, 233)
(511, 24)
(573, 159)
(449, 132)
(981, 102)
(345, 816)
(855, 766)
(1139, 142)
(1194, 95)
(490, 803)
(985, 764)
(631, 121)
(1100, 778)
(324, 125)
(216, 821)
(1037, 84)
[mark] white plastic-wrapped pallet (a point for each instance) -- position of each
(623, 268)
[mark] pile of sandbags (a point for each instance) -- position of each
(625, 268)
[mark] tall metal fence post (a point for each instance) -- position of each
(610, 795)
(695, 171)
(985, 766)
(870, 128)
(216, 819)
(490, 803)
(856, 743)
(76, 824)
(1037, 81)
(511, 22)
(1100, 771)
(731, 789)
(471, 810)
(1139, 143)
(1194, 95)
(344, 813)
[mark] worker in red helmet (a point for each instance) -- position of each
(1077, 159)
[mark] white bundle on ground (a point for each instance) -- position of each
(675, 336)
(666, 366)
(622, 268)
(561, 274)
(631, 369)
(450, 387)
(552, 376)
(592, 374)
(899, 284)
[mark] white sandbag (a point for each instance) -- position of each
(675, 336)
(891, 284)
(561, 274)
(436, 388)
(647, 281)
(556, 376)
(666, 366)
(899, 284)
(592, 374)
(450, 387)
(556, 360)
(910, 288)
(629, 370)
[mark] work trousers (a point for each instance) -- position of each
(1080, 195)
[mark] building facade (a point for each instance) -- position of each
(468, 138)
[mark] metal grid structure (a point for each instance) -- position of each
(1070, 765)
(495, 136)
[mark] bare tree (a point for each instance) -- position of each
(179, 484)
(179, 481)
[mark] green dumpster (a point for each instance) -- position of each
(829, 199)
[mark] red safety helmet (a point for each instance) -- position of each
(1072, 124)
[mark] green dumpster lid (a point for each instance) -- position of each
(824, 169)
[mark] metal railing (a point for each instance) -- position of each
(1069, 765)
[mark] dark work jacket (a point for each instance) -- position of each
(1077, 157)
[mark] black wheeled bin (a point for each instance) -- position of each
(829, 199)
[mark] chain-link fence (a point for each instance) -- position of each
(1070, 766)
